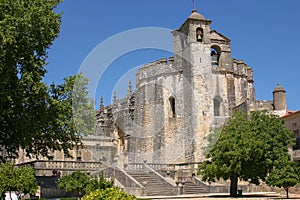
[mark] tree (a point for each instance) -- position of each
(75, 108)
(34, 116)
(27, 30)
(109, 193)
(80, 183)
(75, 183)
(284, 175)
(26, 180)
(247, 149)
(19, 179)
(96, 183)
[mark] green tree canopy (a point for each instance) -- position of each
(71, 100)
(20, 179)
(27, 30)
(247, 149)
(100, 183)
(75, 183)
(34, 116)
(109, 193)
(80, 183)
(285, 174)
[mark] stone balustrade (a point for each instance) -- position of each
(45, 167)
(155, 166)
(135, 166)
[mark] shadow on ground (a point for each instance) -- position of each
(255, 196)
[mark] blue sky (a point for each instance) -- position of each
(264, 33)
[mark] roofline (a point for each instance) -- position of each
(290, 114)
(207, 21)
(221, 35)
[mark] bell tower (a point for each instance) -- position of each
(192, 43)
(193, 58)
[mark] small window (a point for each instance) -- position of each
(217, 106)
(214, 58)
(215, 53)
(78, 158)
(172, 107)
(50, 157)
(199, 34)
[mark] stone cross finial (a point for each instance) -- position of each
(195, 7)
(101, 103)
(115, 97)
(129, 88)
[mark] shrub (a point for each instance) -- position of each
(109, 193)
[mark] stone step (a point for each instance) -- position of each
(153, 187)
(192, 188)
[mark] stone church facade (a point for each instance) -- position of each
(177, 103)
(180, 100)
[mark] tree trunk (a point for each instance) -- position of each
(233, 185)
(287, 192)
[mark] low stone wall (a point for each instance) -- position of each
(244, 188)
(54, 193)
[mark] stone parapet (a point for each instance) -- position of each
(46, 167)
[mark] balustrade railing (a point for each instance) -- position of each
(135, 166)
(155, 166)
(64, 165)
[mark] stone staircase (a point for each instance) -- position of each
(152, 186)
(192, 188)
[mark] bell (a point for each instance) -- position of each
(199, 37)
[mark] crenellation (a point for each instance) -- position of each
(262, 105)
(171, 61)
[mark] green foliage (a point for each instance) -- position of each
(36, 117)
(247, 149)
(109, 193)
(27, 30)
(212, 139)
(75, 183)
(80, 183)
(76, 110)
(98, 183)
(286, 174)
(21, 179)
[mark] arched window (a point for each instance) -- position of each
(215, 53)
(217, 106)
(199, 34)
(172, 107)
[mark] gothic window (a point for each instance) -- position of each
(172, 107)
(217, 106)
(215, 53)
(244, 89)
(199, 34)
